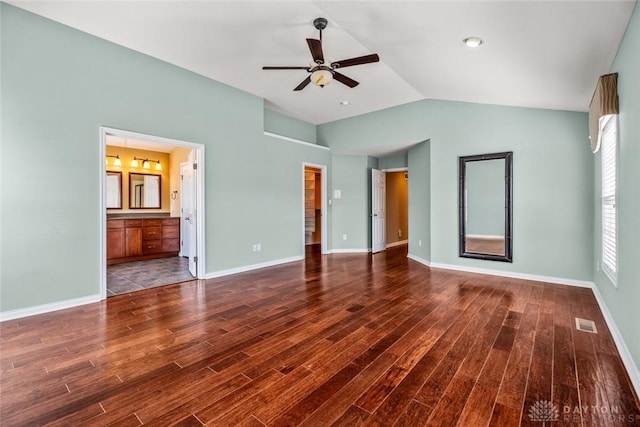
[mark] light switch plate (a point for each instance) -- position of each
(337, 194)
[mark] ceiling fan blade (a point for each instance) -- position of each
(285, 68)
(345, 80)
(367, 59)
(315, 46)
(304, 84)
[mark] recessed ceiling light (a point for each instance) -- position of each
(472, 41)
(344, 103)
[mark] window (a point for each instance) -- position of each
(609, 135)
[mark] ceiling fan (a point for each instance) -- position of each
(321, 71)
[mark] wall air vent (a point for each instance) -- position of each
(586, 325)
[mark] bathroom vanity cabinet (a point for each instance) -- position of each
(137, 239)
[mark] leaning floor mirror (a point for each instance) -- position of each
(485, 206)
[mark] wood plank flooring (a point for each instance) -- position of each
(344, 339)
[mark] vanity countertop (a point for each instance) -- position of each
(136, 215)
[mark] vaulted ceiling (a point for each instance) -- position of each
(542, 54)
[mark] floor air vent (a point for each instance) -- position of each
(586, 325)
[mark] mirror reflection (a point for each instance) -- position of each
(144, 191)
(485, 206)
(113, 190)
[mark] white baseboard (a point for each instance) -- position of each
(246, 268)
(515, 275)
(46, 308)
(399, 243)
(418, 259)
(348, 251)
(625, 354)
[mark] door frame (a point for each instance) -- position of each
(200, 196)
(323, 206)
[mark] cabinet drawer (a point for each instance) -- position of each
(151, 247)
(151, 233)
(151, 222)
(170, 245)
(132, 222)
(115, 223)
(170, 232)
(171, 221)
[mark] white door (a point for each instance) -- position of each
(188, 214)
(378, 194)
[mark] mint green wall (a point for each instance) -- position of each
(623, 301)
(394, 161)
(59, 86)
(553, 176)
(350, 213)
(419, 161)
(280, 124)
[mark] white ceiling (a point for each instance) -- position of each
(543, 54)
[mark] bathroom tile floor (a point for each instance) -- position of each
(139, 275)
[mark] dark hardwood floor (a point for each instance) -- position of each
(332, 340)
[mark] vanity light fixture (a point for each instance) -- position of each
(146, 163)
(472, 41)
(116, 162)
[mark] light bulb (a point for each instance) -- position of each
(134, 163)
(158, 166)
(145, 164)
(472, 41)
(117, 161)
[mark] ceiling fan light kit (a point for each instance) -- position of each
(322, 72)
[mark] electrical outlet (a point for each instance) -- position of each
(259, 245)
(399, 233)
(419, 242)
(344, 237)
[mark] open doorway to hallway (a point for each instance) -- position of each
(146, 216)
(397, 207)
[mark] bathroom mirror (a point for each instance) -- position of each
(485, 206)
(144, 191)
(113, 190)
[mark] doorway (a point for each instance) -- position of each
(139, 241)
(389, 208)
(397, 207)
(314, 208)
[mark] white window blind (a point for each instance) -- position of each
(609, 196)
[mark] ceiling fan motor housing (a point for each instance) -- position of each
(320, 23)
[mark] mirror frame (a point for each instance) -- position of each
(508, 209)
(120, 180)
(132, 195)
